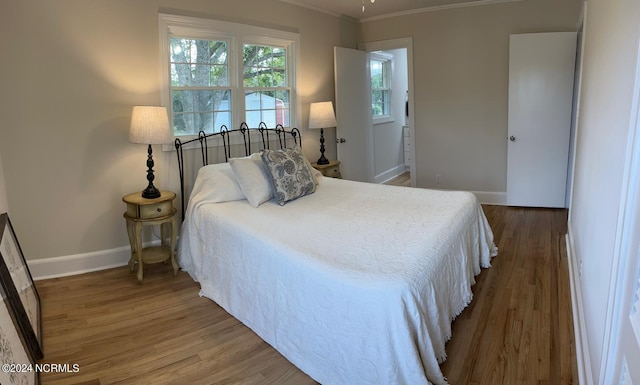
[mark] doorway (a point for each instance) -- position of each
(390, 127)
(389, 138)
(393, 139)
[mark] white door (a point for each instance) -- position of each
(627, 354)
(541, 68)
(622, 337)
(353, 114)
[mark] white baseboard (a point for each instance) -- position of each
(390, 174)
(79, 263)
(491, 198)
(580, 333)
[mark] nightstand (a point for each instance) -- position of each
(332, 170)
(148, 212)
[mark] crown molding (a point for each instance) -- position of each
(437, 8)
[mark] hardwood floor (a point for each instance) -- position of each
(517, 330)
(519, 327)
(403, 179)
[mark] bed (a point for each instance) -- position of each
(354, 283)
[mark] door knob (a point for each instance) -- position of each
(512, 138)
(340, 140)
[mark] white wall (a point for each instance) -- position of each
(609, 69)
(71, 72)
(461, 85)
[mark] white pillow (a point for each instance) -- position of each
(216, 183)
(315, 174)
(253, 178)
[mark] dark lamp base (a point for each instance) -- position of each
(322, 160)
(151, 193)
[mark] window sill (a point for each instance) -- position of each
(383, 119)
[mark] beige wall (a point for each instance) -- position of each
(461, 85)
(72, 71)
(4, 205)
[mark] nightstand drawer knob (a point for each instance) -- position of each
(159, 210)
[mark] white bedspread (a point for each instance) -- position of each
(355, 284)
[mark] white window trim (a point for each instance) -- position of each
(237, 35)
(385, 57)
(382, 119)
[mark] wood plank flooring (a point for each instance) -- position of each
(403, 179)
(517, 330)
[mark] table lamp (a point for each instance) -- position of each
(150, 125)
(321, 116)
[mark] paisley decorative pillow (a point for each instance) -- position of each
(290, 174)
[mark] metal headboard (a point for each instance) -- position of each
(267, 135)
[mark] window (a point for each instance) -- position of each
(380, 85)
(200, 86)
(218, 73)
(265, 85)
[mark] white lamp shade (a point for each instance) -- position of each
(321, 115)
(150, 125)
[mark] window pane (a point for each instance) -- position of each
(263, 57)
(222, 100)
(385, 75)
(197, 69)
(248, 54)
(182, 101)
(380, 72)
(279, 77)
(282, 108)
(203, 121)
(203, 100)
(218, 52)
(250, 76)
(279, 58)
(180, 50)
(265, 68)
(265, 79)
(376, 103)
(267, 100)
(219, 75)
(253, 119)
(220, 119)
(269, 107)
(183, 124)
(200, 75)
(376, 74)
(180, 74)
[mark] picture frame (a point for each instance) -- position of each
(21, 293)
(14, 351)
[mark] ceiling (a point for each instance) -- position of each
(385, 8)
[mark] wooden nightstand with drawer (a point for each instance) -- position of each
(332, 170)
(143, 212)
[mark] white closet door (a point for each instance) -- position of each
(541, 68)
